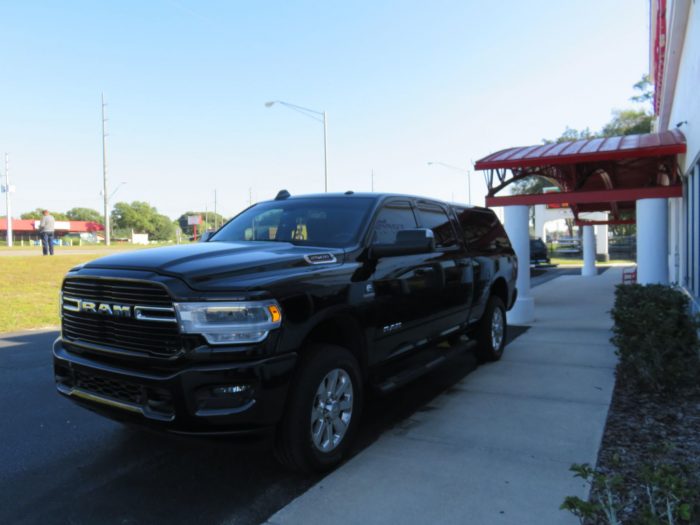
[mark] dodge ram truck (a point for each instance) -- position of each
(285, 318)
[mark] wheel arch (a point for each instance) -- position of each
(499, 288)
(342, 329)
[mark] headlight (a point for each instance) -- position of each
(229, 323)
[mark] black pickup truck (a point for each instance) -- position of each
(285, 317)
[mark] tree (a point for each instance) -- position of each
(627, 122)
(646, 91)
(215, 220)
(85, 214)
(141, 217)
(572, 134)
(38, 213)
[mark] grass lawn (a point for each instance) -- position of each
(29, 289)
(565, 261)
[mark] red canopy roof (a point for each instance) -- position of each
(669, 142)
(602, 174)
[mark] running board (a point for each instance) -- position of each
(409, 375)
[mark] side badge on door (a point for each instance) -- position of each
(391, 327)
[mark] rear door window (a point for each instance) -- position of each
(435, 217)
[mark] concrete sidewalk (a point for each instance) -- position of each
(496, 448)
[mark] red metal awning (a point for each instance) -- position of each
(669, 142)
(601, 174)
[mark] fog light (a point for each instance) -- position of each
(229, 390)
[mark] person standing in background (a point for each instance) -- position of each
(46, 229)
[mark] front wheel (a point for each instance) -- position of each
(491, 334)
(322, 412)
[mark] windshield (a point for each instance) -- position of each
(327, 221)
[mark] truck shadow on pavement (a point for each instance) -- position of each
(63, 464)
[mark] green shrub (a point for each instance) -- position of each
(656, 337)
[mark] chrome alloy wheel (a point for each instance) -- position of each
(332, 410)
(497, 328)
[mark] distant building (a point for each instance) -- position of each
(28, 229)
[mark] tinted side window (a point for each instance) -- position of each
(435, 218)
(393, 217)
(483, 232)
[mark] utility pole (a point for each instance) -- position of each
(372, 182)
(8, 204)
(104, 176)
(215, 215)
(250, 196)
(325, 152)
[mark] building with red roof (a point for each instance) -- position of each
(28, 229)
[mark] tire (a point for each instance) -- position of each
(492, 331)
(317, 429)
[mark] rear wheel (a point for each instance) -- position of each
(491, 334)
(323, 410)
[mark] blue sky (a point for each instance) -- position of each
(403, 83)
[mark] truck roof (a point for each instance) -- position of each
(376, 196)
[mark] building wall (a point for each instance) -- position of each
(686, 99)
(684, 214)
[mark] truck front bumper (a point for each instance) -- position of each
(207, 399)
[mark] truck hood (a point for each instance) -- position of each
(225, 265)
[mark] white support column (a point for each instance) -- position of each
(652, 241)
(540, 219)
(601, 243)
(517, 220)
(588, 269)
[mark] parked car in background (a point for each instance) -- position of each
(538, 252)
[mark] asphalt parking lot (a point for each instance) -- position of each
(62, 464)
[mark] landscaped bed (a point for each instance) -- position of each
(647, 428)
(648, 469)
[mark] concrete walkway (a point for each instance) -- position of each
(496, 448)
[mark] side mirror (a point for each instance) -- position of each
(408, 242)
(205, 236)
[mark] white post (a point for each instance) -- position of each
(601, 243)
(8, 202)
(588, 269)
(652, 241)
(540, 219)
(517, 220)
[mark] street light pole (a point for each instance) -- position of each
(319, 116)
(104, 176)
(457, 168)
(325, 152)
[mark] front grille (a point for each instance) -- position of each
(116, 291)
(146, 337)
